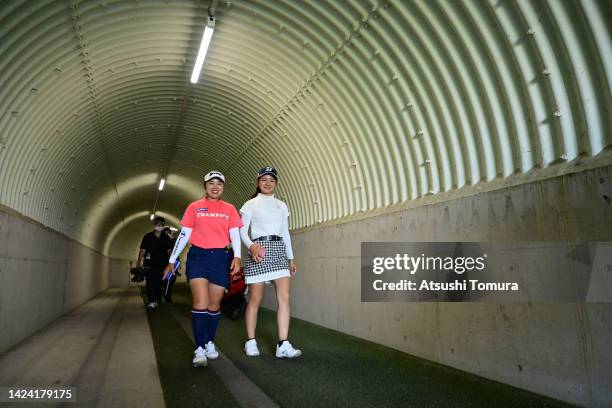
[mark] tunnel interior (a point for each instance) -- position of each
(361, 105)
(370, 110)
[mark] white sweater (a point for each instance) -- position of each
(265, 215)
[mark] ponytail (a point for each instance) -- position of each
(257, 191)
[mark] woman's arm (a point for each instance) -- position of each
(244, 230)
(181, 242)
(236, 244)
(255, 249)
(287, 238)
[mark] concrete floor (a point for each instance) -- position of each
(117, 356)
(103, 348)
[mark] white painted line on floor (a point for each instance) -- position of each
(246, 393)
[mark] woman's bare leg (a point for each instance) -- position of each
(256, 291)
(215, 294)
(283, 314)
(199, 293)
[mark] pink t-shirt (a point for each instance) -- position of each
(211, 222)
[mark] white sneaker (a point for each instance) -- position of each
(152, 305)
(211, 352)
(250, 348)
(199, 358)
(286, 350)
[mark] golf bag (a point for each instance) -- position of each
(138, 275)
(234, 301)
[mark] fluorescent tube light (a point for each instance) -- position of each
(161, 184)
(206, 38)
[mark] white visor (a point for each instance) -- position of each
(214, 174)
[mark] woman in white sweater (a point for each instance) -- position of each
(270, 259)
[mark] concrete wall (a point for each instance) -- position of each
(560, 350)
(120, 272)
(43, 275)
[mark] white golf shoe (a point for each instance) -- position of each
(199, 357)
(211, 352)
(286, 350)
(250, 348)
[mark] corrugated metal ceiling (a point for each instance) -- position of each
(360, 104)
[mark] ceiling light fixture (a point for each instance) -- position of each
(161, 184)
(152, 216)
(206, 38)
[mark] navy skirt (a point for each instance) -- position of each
(212, 264)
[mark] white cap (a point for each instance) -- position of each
(214, 174)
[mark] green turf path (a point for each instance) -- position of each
(183, 385)
(335, 370)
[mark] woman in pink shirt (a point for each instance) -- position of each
(210, 224)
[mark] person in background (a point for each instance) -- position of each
(270, 259)
(210, 224)
(153, 256)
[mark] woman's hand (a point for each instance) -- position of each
(235, 267)
(168, 268)
(257, 251)
(292, 267)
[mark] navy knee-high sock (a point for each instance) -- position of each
(213, 322)
(199, 323)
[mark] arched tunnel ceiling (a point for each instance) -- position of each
(359, 104)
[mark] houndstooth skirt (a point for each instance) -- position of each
(274, 264)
